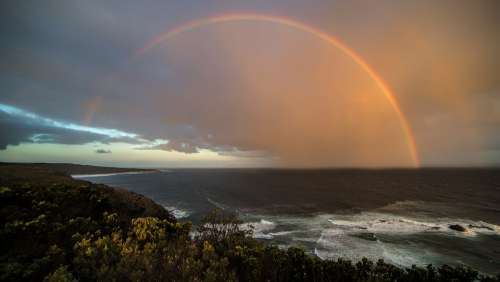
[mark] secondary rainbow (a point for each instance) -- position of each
(410, 140)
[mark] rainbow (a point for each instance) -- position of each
(410, 140)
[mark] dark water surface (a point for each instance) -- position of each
(402, 216)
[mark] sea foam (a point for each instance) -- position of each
(109, 174)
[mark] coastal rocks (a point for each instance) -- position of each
(481, 227)
(457, 227)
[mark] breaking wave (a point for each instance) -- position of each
(393, 224)
(377, 235)
(177, 212)
(260, 228)
(396, 238)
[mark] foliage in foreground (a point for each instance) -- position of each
(66, 233)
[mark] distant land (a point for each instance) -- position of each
(72, 169)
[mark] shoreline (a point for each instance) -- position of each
(82, 176)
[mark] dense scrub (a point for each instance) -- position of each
(58, 229)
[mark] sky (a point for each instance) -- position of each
(274, 83)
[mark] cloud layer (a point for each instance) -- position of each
(20, 126)
(254, 89)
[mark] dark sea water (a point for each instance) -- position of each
(402, 216)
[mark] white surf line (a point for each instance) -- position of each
(110, 174)
(178, 213)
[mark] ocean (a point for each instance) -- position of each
(402, 216)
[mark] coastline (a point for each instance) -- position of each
(44, 207)
(79, 176)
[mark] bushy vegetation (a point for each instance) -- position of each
(74, 231)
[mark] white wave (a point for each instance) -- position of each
(260, 228)
(485, 227)
(109, 174)
(266, 222)
(283, 233)
(333, 244)
(263, 236)
(406, 256)
(357, 236)
(394, 224)
(177, 212)
(217, 204)
(372, 234)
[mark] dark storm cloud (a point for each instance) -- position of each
(15, 132)
(102, 151)
(179, 143)
(184, 147)
(19, 126)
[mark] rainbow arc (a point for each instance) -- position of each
(389, 95)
